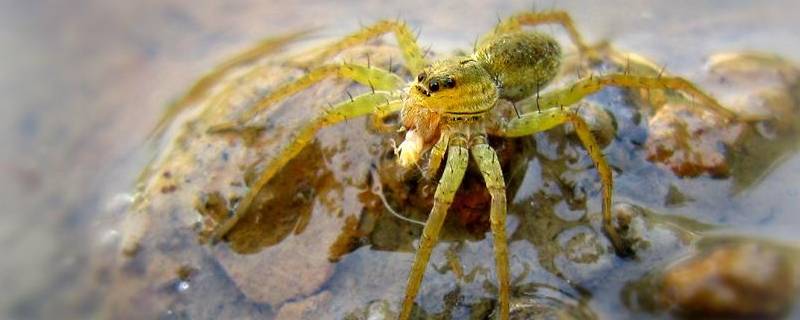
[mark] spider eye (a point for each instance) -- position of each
(433, 86)
(449, 82)
(421, 77)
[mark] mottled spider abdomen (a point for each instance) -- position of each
(521, 62)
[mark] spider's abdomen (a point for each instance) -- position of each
(522, 62)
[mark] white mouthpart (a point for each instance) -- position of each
(409, 152)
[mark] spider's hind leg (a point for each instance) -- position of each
(591, 84)
(533, 122)
(532, 18)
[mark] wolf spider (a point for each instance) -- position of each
(444, 111)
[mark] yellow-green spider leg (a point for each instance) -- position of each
(486, 158)
(534, 122)
(592, 84)
(200, 88)
(412, 54)
(381, 113)
(437, 154)
(376, 78)
(455, 167)
(531, 18)
(358, 106)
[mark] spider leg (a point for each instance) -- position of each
(533, 122)
(457, 157)
(374, 77)
(437, 154)
(486, 158)
(531, 18)
(412, 53)
(201, 87)
(592, 84)
(383, 111)
(359, 106)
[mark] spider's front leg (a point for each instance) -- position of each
(358, 106)
(487, 161)
(536, 121)
(455, 167)
(376, 78)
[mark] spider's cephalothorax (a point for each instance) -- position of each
(443, 112)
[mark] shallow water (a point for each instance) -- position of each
(85, 81)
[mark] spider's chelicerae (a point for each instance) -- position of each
(444, 109)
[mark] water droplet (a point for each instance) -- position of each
(183, 286)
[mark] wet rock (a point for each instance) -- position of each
(375, 310)
(599, 120)
(691, 141)
(583, 254)
(741, 280)
(297, 267)
(303, 309)
(756, 85)
(760, 89)
(544, 302)
(650, 234)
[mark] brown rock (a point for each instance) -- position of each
(691, 141)
(304, 309)
(743, 280)
(295, 268)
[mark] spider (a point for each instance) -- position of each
(444, 111)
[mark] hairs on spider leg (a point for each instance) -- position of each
(390, 65)
(349, 95)
(627, 64)
(372, 87)
(513, 104)
(664, 67)
(427, 50)
(369, 64)
(537, 97)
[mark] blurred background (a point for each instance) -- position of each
(82, 82)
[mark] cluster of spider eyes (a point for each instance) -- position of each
(434, 85)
